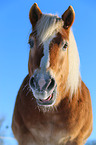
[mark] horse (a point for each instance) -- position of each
(53, 105)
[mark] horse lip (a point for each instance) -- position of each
(50, 101)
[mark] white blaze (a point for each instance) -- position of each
(45, 61)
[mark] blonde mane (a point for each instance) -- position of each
(49, 25)
(73, 81)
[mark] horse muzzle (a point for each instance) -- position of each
(44, 87)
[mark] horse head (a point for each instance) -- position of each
(49, 55)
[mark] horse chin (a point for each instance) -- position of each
(50, 101)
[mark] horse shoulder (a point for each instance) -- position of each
(77, 115)
(86, 108)
(18, 125)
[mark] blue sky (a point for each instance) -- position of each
(15, 28)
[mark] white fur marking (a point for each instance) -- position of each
(45, 61)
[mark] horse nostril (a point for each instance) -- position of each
(51, 85)
(41, 83)
(32, 84)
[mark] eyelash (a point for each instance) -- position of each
(65, 45)
(31, 43)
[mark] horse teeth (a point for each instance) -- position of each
(48, 99)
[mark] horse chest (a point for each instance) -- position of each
(49, 131)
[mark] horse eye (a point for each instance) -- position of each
(65, 45)
(31, 43)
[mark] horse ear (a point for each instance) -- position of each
(34, 14)
(68, 17)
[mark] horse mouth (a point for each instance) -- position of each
(44, 88)
(49, 101)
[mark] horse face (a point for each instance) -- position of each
(48, 58)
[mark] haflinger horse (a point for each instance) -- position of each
(53, 105)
